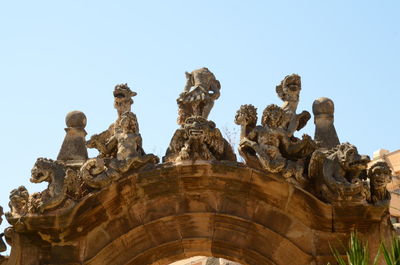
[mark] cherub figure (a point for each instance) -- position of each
(270, 143)
(199, 94)
(289, 91)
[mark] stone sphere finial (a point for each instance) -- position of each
(323, 106)
(76, 119)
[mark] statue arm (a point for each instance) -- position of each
(294, 147)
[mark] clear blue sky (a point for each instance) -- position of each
(58, 56)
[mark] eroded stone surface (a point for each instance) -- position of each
(173, 212)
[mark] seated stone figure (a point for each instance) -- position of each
(379, 175)
(100, 172)
(270, 142)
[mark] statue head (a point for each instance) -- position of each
(19, 197)
(123, 98)
(289, 88)
(379, 174)
(273, 116)
(246, 115)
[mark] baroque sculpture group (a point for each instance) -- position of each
(332, 171)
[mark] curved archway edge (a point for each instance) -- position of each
(173, 212)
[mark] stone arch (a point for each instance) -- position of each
(173, 212)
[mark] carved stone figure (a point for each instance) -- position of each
(73, 151)
(100, 172)
(325, 132)
(55, 173)
(199, 94)
(199, 139)
(19, 199)
(339, 173)
(122, 103)
(270, 143)
(380, 175)
(289, 91)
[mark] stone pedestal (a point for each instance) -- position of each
(325, 132)
(73, 150)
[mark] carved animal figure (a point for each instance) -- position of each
(380, 175)
(19, 199)
(338, 174)
(199, 139)
(199, 94)
(54, 173)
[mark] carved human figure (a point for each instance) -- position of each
(289, 92)
(127, 141)
(122, 103)
(380, 175)
(199, 94)
(270, 142)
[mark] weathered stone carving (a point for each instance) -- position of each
(289, 91)
(19, 199)
(73, 150)
(120, 146)
(338, 174)
(325, 132)
(55, 173)
(270, 143)
(199, 94)
(63, 183)
(380, 175)
(122, 103)
(199, 139)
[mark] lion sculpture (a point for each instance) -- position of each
(339, 174)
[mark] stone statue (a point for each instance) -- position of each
(120, 146)
(338, 174)
(289, 91)
(59, 179)
(325, 132)
(199, 94)
(122, 103)
(19, 199)
(63, 184)
(199, 139)
(380, 175)
(270, 144)
(73, 151)
(100, 172)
